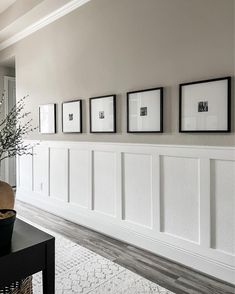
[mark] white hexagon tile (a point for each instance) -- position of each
(79, 270)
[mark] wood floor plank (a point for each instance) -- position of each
(188, 274)
(168, 274)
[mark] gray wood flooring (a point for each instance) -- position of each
(168, 274)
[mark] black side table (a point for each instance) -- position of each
(31, 251)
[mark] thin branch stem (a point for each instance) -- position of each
(13, 128)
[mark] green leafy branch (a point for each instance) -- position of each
(13, 129)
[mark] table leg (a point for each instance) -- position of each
(48, 274)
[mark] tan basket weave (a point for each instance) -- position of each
(23, 287)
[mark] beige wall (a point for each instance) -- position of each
(110, 46)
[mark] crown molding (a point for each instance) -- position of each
(53, 16)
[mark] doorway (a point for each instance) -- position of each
(8, 88)
(10, 100)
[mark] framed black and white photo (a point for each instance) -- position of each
(145, 111)
(47, 118)
(103, 114)
(72, 116)
(204, 106)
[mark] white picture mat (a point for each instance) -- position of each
(216, 94)
(105, 105)
(150, 122)
(47, 118)
(71, 126)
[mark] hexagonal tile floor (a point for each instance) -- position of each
(79, 270)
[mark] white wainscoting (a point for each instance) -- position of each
(176, 201)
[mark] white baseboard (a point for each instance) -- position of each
(169, 251)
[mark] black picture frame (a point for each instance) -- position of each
(228, 112)
(55, 118)
(114, 114)
(62, 111)
(161, 89)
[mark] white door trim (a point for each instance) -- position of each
(5, 164)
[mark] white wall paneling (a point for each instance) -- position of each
(104, 182)
(137, 188)
(179, 180)
(41, 170)
(79, 177)
(176, 201)
(58, 171)
(25, 172)
(223, 205)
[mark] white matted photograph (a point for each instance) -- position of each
(47, 118)
(72, 116)
(145, 111)
(103, 114)
(204, 106)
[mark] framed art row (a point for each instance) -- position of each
(103, 114)
(145, 111)
(47, 119)
(72, 116)
(204, 106)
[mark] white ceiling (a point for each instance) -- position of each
(44, 13)
(4, 4)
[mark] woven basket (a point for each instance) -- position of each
(22, 287)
